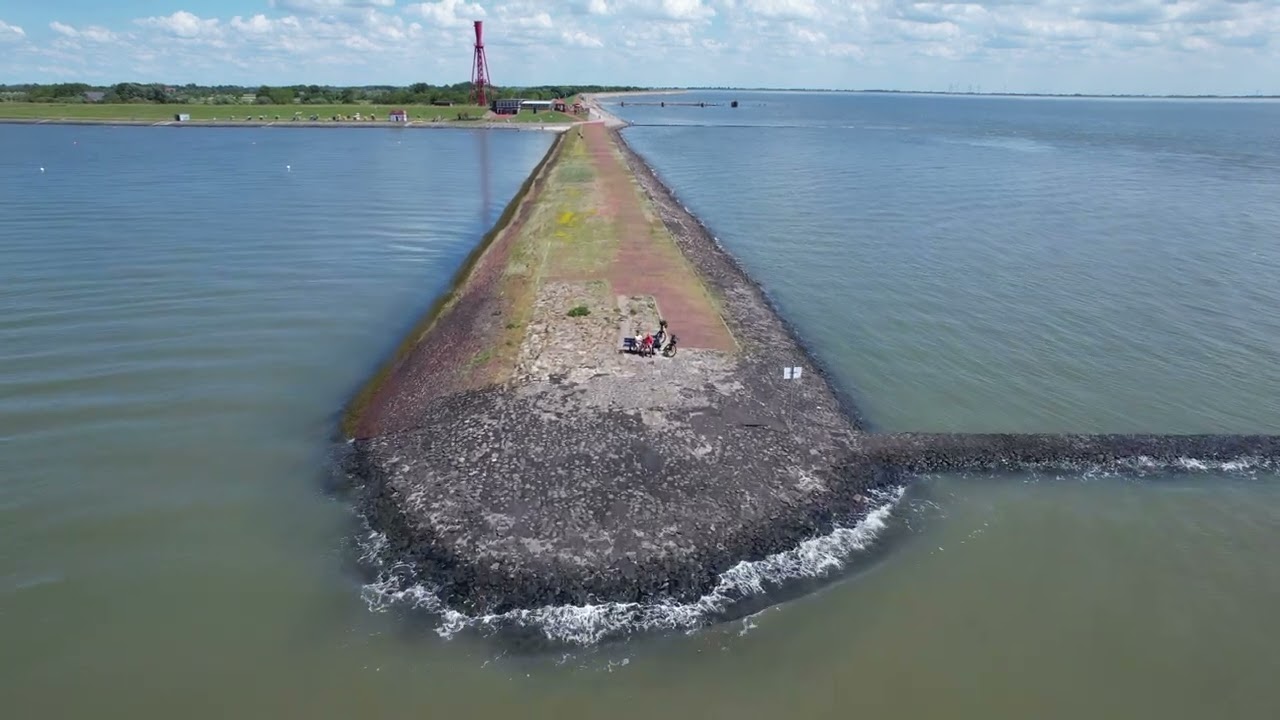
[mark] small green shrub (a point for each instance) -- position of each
(580, 311)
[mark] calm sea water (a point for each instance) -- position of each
(1010, 264)
(183, 312)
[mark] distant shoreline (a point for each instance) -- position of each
(413, 125)
(1081, 96)
(627, 93)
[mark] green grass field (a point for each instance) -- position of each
(285, 113)
(548, 117)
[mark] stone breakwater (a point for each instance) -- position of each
(610, 477)
(588, 477)
(932, 453)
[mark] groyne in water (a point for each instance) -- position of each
(958, 452)
(517, 470)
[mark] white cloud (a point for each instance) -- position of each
(183, 24)
(447, 13)
(844, 50)
(92, 33)
(98, 34)
(667, 10)
(391, 28)
(578, 38)
(783, 9)
(590, 7)
(686, 10)
(63, 29)
(11, 33)
(256, 25)
(329, 6)
(541, 21)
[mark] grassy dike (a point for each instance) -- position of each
(249, 114)
(526, 196)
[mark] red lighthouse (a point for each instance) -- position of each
(479, 69)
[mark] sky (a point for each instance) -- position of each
(1059, 46)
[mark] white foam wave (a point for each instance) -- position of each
(589, 624)
(1004, 143)
(1145, 465)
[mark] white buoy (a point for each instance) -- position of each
(41, 169)
(289, 168)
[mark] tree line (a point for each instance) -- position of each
(158, 93)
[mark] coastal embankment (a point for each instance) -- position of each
(597, 111)
(510, 457)
(382, 124)
(329, 117)
(515, 458)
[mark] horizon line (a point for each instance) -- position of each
(716, 88)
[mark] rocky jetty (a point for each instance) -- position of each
(513, 458)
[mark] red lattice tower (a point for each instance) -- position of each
(479, 70)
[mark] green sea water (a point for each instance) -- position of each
(183, 313)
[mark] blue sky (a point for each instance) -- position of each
(1093, 46)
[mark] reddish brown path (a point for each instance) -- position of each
(649, 262)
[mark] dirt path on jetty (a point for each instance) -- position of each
(645, 266)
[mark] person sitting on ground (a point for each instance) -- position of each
(646, 347)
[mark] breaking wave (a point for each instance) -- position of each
(1004, 143)
(1142, 466)
(589, 624)
(812, 559)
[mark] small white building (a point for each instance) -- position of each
(535, 105)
